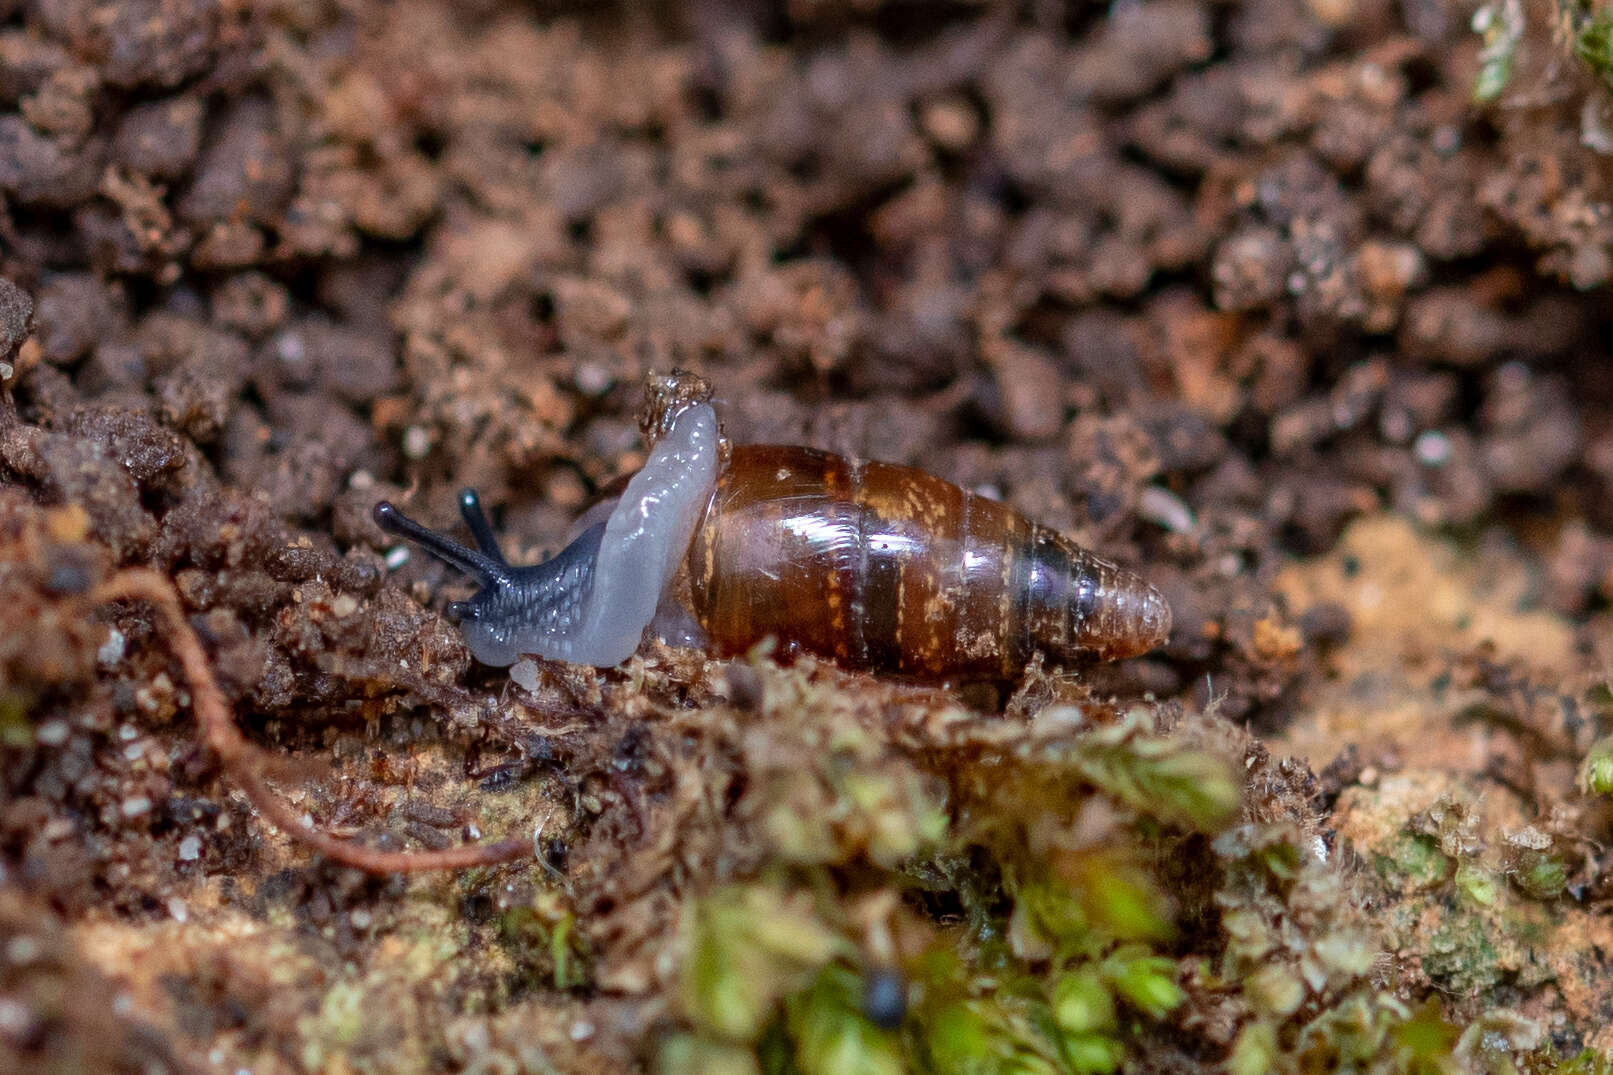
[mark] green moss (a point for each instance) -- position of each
(1412, 862)
(346, 1015)
(1099, 898)
(1082, 1003)
(1534, 864)
(1478, 884)
(542, 940)
(1093, 1053)
(1500, 23)
(16, 730)
(830, 1033)
(1275, 990)
(1124, 901)
(1591, 29)
(1424, 1040)
(1156, 775)
(1585, 1062)
(1256, 1051)
(1146, 981)
(1541, 878)
(1060, 946)
(899, 819)
(1596, 771)
(690, 1054)
(752, 945)
(1053, 852)
(849, 806)
(1460, 957)
(1006, 1033)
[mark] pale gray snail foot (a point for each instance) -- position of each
(590, 603)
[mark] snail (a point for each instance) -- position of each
(876, 566)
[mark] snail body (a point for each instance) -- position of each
(589, 603)
(876, 566)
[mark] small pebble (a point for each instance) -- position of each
(16, 1020)
(416, 442)
(68, 575)
(745, 687)
(1432, 448)
(111, 651)
(21, 950)
(525, 675)
(52, 733)
(1325, 623)
(951, 123)
(290, 349)
(1165, 509)
(593, 379)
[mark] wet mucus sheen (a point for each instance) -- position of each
(876, 566)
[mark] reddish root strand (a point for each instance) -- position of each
(216, 722)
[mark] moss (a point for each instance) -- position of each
(1156, 775)
(690, 1054)
(1585, 25)
(817, 815)
(1500, 23)
(983, 1036)
(1478, 884)
(542, 940)
(1145, 981)
(1082, 1002)
(1585, 1062)
(1053, 849)
(1460, 957)
(1590, 27)
(751, 946)
(1099, 898)
(1412, 862)
(1424, 1039)
(831, 1034)
(1534, 865)
(1256, 1050)
(16, 730)
(1309, 994)
(339, 1022)
(1542, 877)
(1596, 771)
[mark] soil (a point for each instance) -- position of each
(1253, 297)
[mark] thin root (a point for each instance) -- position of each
(239, 757)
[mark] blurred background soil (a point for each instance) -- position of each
(1254, 296)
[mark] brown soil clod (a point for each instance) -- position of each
(243, 762)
